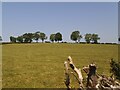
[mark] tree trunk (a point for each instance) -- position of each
(77, 71)
(67, 77)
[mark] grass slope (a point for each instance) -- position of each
(42, 65)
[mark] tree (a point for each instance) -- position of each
(12, 39)
(79, 38)
(28, 37)
(75, 36)
(43, 36)
(88, 37)
(52, 37)
(58, 37)
(115, 68)
(95, 38)
(36, 36)
(20, 39)
(0, 38)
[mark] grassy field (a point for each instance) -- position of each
(42, 65)
(0, 66)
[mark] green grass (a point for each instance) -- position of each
(0, 66)
(42, 65)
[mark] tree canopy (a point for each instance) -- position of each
(43, 36)
(52, 37)
(12, 39)
(88, 37)
(36, 36)
(95, 38)
(20, 39)
(0, 38)
(91, 37)
(58, 37)
(75, 36)
(28, 37)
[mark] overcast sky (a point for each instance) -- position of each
(64, 17)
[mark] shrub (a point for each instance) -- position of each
(115, 68)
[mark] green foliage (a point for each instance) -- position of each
(115, 68)
(20, 39)
(79, 38)
(12, 39)
(76, 36)
(91, 37)
(58, 37)
(88, 37)
(95, 38)
(28, 37)
(52, 37)
(43, 36)
(0, 38)
(36, 36)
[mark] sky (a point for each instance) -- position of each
(119, 19)
(64, 17)
(0, 19)
(60, 0)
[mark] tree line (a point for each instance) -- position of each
(29, 37)
(75, 36)
(57, 37)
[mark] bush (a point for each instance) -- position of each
(115, 68)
